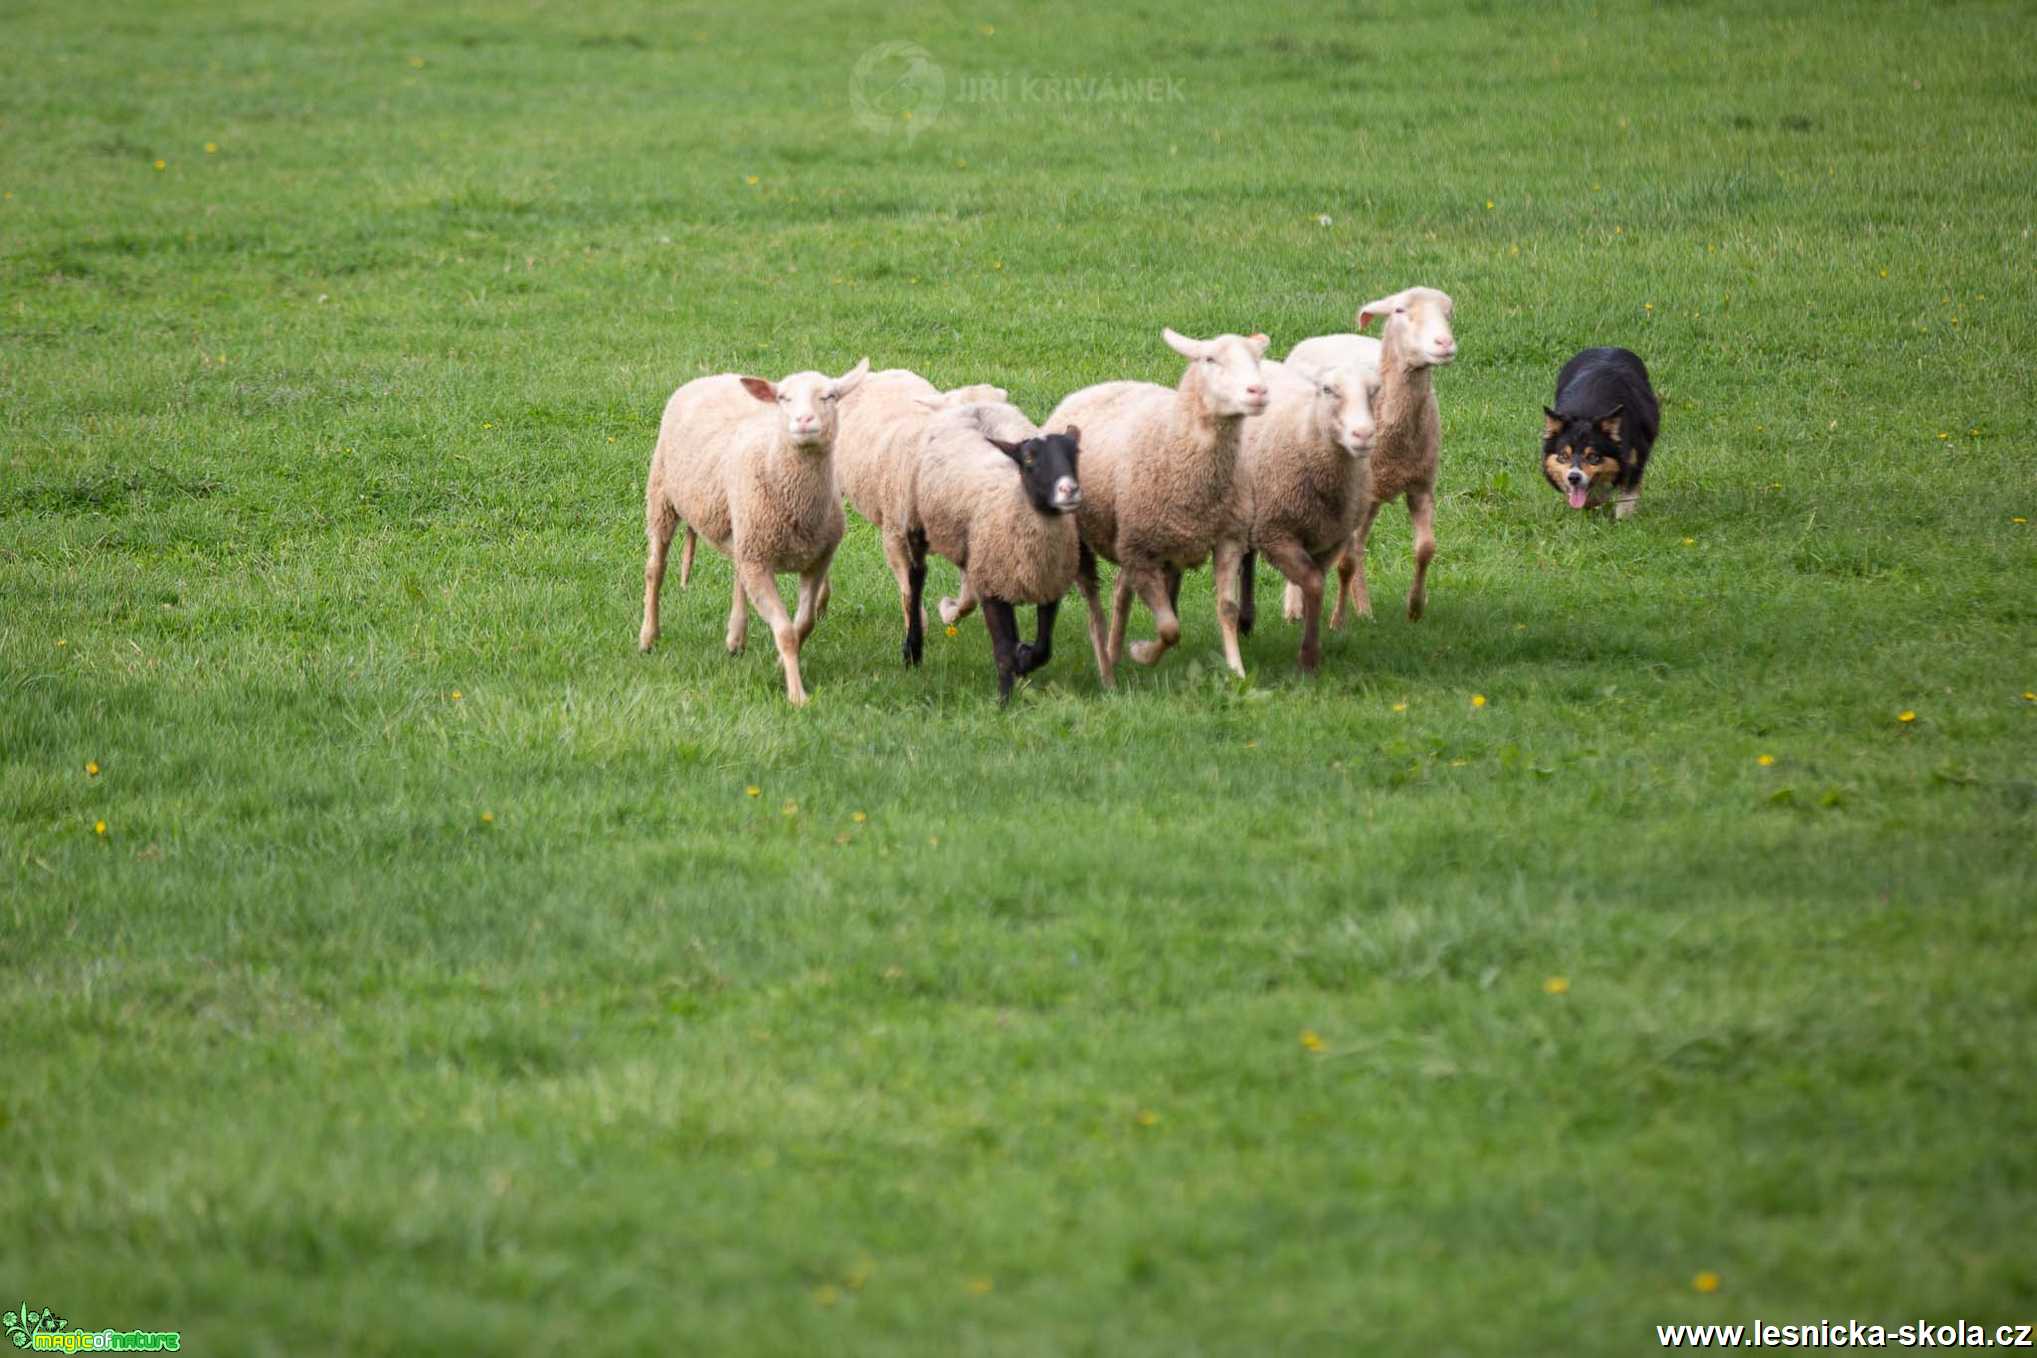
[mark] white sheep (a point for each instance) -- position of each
(748, 464)
(1157, 466)
(1405, 449)
(880, 431)
(1300, 483)
(994, 495)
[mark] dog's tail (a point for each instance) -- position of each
(686, 556)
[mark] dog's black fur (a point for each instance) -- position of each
(1602, 427)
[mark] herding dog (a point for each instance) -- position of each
(1595, 441)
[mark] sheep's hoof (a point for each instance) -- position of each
(736, 645)
(645, 640)
(1148, 652)
(950, 610)
(1308, 663)
(1415, 607)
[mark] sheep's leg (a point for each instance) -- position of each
(1351, 586)
(1041, 651)
(1174, 590)
(915, 646)
(898, 556)
(961, 606)
(1153, 588)
(1248, 593)
(1004, 644)
(1085, 577)
(1224, 569)
(1307, 581)
(686, 556)
(812, 581)
(739, 620)
(827, 592)
(1422, 515)
(762, 588)
(660, 519)
(1121, 611)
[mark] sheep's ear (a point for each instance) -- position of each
(1073, 433)
(1182, 344)
(1552, 423)
(1258, 343)
(760, 389)
(1381, 307)
(852, 379)
(1010, 450)
(1612, 422)
(931, 404)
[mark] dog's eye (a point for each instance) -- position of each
(1595, 457)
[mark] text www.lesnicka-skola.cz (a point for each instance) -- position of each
(1842, 1334)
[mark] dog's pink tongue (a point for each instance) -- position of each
(1578, 496)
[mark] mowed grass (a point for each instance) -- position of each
(449, 978)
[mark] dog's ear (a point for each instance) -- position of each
(1552, 423)
(1613, 422)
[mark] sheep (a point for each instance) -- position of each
(1158, 472)
(1010, 528)
(1417, 339)
(879, 428)
(1300, 483)
(749, 465)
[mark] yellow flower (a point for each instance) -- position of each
(753, 791)
(1488, 205)
(162, 165)
(988, 30)
(98, 827)
(858, 817)
(978, 1286)
(1478, 700)
(1556, 985)
(1401, 706)
(1147, 1118)
(954, 631)
(1943, 435)
(1706, 1282)
(790, 808)
(488, 818)
(997, 264)
(62, 642)
(933, 841)
(1647, 306)
(750, 179)
(212, 148)
(1765, 760)
(2029, 697)
(416, 63)
(2013, 518)
(1906, 716)
(91, 768)
(1311, 1040)
(1690, 542)
(454, 695)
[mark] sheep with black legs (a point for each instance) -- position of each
(881, 426)
(1300, 483)
(749, 465)
(997, 497)
(1407, 445)
(1158, 463)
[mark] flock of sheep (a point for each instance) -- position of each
(1243, 456)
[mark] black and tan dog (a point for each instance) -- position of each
(1596, 440)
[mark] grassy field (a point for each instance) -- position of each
(397, 962)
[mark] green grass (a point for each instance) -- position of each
(976, 1030)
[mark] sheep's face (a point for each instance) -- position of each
(808, 402)
(1344, 398)
(1227, 367)
(1425, 313)
(1584, 458)
(1047, 469)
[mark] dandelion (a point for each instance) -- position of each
(1251, 744)
(99, 828)
(62, 642)
(2013, 518)
(1311, 1040)
(953, 630)
(751, 180)
(1147, 1118)
(91, 768)
(933, 841)
(753, 791)
(1906, 716)
(488, 818)
(162, 165)
(858, 817)
(1556, 985)
(212, 148)
(1401, 706)
(1478, 700)
(979, 1286)
(1884, 273)
(1943, 435)
(1706, 1282)
(1488, 205)
(454, 695)
(1647, 306)
(997, 264)
(1690, 542)
(2029, 697)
